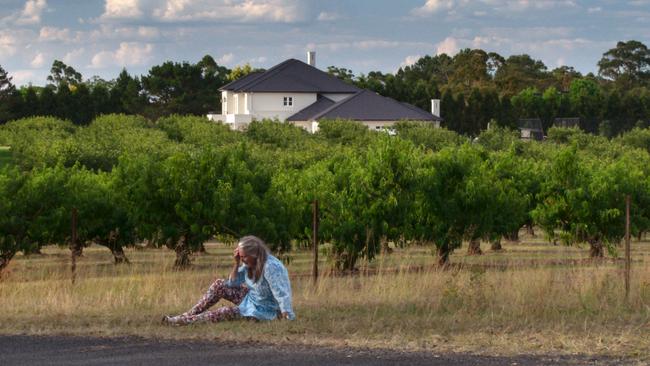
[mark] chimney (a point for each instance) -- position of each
(435, 107)
(311, 58)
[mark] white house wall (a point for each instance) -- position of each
(271, 105)
(229, 106)
(241, 103)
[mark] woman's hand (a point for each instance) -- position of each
(237, 256)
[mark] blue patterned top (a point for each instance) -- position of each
(268, 296)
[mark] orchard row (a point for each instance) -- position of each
(181, 181)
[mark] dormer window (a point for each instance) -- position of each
(288, 101)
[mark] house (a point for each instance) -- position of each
(298, 93)
(531, 129)
(573, 122)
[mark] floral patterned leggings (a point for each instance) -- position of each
(199, 312)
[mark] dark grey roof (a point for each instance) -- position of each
(367, 105)
(242, 80)
(291, 76)
(321, 104)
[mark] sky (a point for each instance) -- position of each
(100, 37)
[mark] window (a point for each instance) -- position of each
(288, 101)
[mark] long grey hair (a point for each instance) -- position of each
(254, 247)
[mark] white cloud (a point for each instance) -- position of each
(128, 54)
(22, 77)
(410, 60)
(284, 11)
(32, 11)
(133, 53)
(596, 9)
(531, 33)
(7, 44)
(48, 34)
(487, 42)
(102, 59)
(257, 60)
(120, 9)
(148, 32)
(226, 59)
(523, 5)
(108, 31)
(37, 61)
(449, 46)
(434, 6)
(484, 7)
(74, 57)
(368, 44)
(328, 17)
(567, 44)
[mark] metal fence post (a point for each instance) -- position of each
(628, 261)
(315, 240)
(73, 246)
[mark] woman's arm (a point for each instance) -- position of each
(278, 280)
(237, 274)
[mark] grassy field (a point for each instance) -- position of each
(5, 156)
(530, 298)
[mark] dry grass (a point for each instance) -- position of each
(523, 300)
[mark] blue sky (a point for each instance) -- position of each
(99, 37)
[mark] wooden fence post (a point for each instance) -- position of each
(73, 245)
(628, 261)
(314, 236)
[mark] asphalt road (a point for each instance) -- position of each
(64, 350)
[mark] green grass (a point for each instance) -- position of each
(5, 156)
(530, 298)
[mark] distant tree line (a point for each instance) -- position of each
(475, 87)
(185, 88)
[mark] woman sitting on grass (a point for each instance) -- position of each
(259, 287)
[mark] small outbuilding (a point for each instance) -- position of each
(531, 129)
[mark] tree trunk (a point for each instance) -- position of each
(118, 254)
(77, 249)
(596, 249)
(150, 244)
(530, 230)
(201, 250)
(5, 257)
(513, 236)
(182, 254)
(496, 245)
(385, 248)
(31, 251)
(443, 256)
(474, 247)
